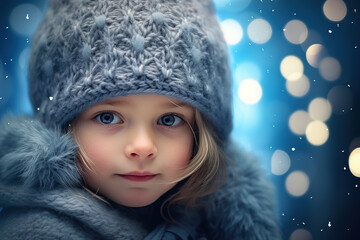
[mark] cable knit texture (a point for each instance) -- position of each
(87, 51)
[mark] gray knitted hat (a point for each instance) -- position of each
(86, 51)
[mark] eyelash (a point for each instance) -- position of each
(175, 115)
(99, 114)
(121, 121)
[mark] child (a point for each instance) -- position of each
(130, 137)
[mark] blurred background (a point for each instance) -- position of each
(296, 101)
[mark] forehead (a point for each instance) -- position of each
(145, 99)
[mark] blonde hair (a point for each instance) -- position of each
(205, 173)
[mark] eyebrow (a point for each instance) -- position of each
(114, 103)
(174, 104)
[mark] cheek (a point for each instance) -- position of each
(99, 152)
(179, 152)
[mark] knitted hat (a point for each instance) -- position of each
(86, 51)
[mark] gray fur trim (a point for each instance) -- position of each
(244, 207)
(34, 156)
(63, 214)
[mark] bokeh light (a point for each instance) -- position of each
(314, 37)
(317, 133)
(259, 31)
(314, 54)
(280, 162)
(298, 122)
(301, 234)
(354, 162)
(250, 91)
(296, 31)
(24, 58)
(335, 10)
(299, 87)
(292, 68)
(355, 143)
(330, 68)
(25, 18)
(297, 183)
(247, 70)
(232, 31)
(271, 123)
(320, 109)
(340, 98)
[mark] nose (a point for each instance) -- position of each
(141, 145)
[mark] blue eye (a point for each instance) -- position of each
(108, 118)
(170, 120)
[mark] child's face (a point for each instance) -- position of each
(138, 145)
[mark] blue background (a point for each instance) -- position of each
(261, 128)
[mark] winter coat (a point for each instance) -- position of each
(42, 197)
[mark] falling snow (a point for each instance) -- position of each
(320, 81)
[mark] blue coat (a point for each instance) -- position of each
(42, 197)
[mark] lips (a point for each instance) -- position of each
(138, 176)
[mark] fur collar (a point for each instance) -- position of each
(36, 157)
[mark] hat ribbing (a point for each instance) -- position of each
(87, 51)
